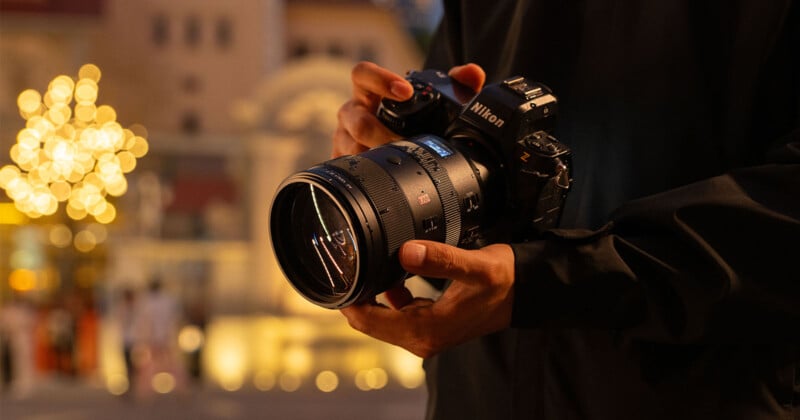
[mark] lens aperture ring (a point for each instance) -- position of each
(447, 192)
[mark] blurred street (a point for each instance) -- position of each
(67, 401)
(145, 263)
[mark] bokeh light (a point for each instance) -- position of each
(190, 338)
(289, 382)
(232, 382)
(327, 381)
(264, 380)
(22, 280)
(407, 368)
(60, 236)
(163, 382)
(85, 241)
(371, 379)
(74, 154)
(117, 384)
(298, 360)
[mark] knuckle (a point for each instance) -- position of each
(487, 271)
(427, 348)
(425, 340)
(492, 266)
(360, 68)
(450, 260)
(362, 127)
(423, 352)
(343, 112)
(441, 255)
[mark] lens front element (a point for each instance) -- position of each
(326, 231)
(317, 236)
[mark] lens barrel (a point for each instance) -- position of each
(337, 227)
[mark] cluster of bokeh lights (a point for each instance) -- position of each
(77, 154)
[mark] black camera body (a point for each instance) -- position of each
(512, 121)
(474, 168)
(437, 101)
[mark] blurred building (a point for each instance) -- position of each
(236, 95)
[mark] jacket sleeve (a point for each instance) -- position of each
(715, 257)
(718, 256)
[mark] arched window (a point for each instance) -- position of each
(190, 123)
(299, 49)
(160, 30)
(191, 84)
(192, 31)
(224, 32)
(367, 52)
(336, 49)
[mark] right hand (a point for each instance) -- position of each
(358, 129)
(478, 301)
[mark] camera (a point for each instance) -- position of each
(472, 169)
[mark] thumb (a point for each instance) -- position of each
(435, 259)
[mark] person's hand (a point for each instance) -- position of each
(477, 302)
(358, 128)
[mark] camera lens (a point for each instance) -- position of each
(337, 227)
(325, 236)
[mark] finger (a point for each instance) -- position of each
(344, 144)
(435, 259)
(399, 296)
(410, 329)
(469, 74)
(372, 82)
(362, 125)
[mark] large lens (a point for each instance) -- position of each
(336, 228)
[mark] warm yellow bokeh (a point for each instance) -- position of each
(78, 155)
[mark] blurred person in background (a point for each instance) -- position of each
(124, 316)
(157, 322)
(670, 291)
(17, 323)
(86, 337)
(61, 324)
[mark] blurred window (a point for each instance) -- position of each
(192, 31)
(299, 49)
(336, 50)
(367, 52)
(191, 84)
(224, 32)
(190, 123)
(160, 30)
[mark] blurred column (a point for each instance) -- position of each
(273, 159)
(274, 34)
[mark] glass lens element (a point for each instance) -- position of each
(326, 239)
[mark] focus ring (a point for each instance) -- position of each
(389, 203)
(445, 188)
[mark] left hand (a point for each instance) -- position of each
(477, 302)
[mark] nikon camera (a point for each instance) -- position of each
(472, 169)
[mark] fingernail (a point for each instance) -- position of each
(400, 89)
(414, 254)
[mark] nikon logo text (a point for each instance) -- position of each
(484, 112)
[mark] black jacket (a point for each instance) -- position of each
(673, 289)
